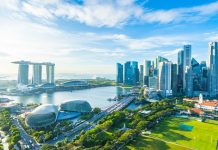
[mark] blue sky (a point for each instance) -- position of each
(90, 36)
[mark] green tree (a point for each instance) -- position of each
(48, 147)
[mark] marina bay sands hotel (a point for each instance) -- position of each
(23, 72)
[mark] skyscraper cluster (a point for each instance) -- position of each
(186, 77)
(23, 72)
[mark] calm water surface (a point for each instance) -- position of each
(97, 97)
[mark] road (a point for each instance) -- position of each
(25, 138)
(89, 124)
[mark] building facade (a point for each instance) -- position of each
(119, 77)
(37, 74)
(164, 78)
(174, 79)
(141, 74)
(213, 69)
(186, 63)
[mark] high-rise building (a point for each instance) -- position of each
(158, 60)
(204, 79)
(152, 82)
(147, 67)
(196, 75)
(23, 72)
(174, 78)
(141, 74)
(128, 73)
(147, 71)
(180, 71)
(37, 73)
(119, 73)
(164, 78)
(189, 82)
(186, 63)
(213, 69)
(135, 72)
(50, 72)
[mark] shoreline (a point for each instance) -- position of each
(56, 89)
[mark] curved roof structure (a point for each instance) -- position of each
(42, 116)
(76, 105)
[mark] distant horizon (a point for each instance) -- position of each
(13, 76)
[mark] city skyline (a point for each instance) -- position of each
(89, 39)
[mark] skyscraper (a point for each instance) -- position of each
(152, 82)
(180, 71)
(147, 70)
(174, 78)
(158, 60)
(189, 82)
(135, 72)
(127, 73)
(141, 74)
(196, 75)
(23, 72)
(164, 78)
(186, 63)
(213, 69)
(147, 67)
(50, 72)
(37, 73)
(119, 73)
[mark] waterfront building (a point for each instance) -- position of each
(76, 83)
(135, 72)
(23, 72)
(164, 78)
(174, 79)
(128, 73)
(141, 74)
(119, 78)
(42, 116)
(50, 72)
(213, 69)
(37, 73)
(76, 106)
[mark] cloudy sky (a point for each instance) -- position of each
(90, 36)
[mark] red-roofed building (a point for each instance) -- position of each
(211, 105)
(194, 99)
(197, 111)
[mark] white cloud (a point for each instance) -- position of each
(190, 14)
(110, 13)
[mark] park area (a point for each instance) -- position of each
(179, 134)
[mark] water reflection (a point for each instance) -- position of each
(97, 97)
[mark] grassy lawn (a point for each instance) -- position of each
(144, 143)
(202, 137)
(212, 121)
